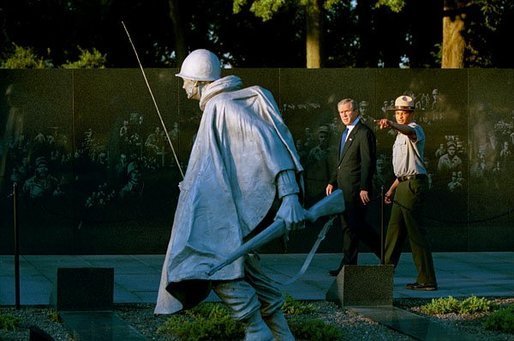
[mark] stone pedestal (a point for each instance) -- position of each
(363, 285)
(84, 289)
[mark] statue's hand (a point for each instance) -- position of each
(291, 212)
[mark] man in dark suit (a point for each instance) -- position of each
(354, 175)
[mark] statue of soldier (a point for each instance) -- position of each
(242, 161)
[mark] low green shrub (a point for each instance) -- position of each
(501, 320)
(294, 307)
(202, 328)
(441, 306)
(207, 321)
(305, 328)
(213, 321)
(450, 304)
(9, 322)
(210, 310)
(53, 315)
(474, 304)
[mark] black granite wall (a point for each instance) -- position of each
(95, 173)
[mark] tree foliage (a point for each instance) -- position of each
(395, 5)
(261, 8)
(490, 24)
(24, 58)
(87, 60)
(254, 33)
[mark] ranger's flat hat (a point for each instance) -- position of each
(403, 103)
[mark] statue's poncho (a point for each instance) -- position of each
(230, 184)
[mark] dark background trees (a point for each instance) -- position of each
(351, 33)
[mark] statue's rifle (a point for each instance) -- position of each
(332, 204)
(153, 99)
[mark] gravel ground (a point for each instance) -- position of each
(353, 326)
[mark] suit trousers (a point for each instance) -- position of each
(355, 230)
(405, 223)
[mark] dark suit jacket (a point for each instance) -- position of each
(356, 166)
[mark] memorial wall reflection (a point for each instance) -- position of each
(94, 171)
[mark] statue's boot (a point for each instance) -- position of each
(278, 325)
(256, 329)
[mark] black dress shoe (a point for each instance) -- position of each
(421, 287)
(334, 272)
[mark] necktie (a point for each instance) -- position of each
(343, 141)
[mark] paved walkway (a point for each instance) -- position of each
(483, 274)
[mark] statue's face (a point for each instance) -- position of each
(191, 88)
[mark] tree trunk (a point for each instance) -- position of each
(454, 44)
(313, 22)
(178, 30)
